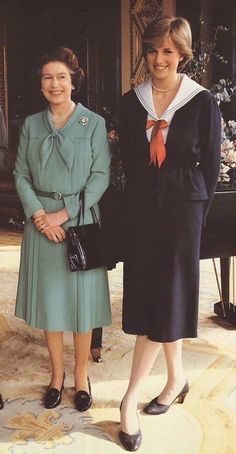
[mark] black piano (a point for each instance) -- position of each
(219, 240)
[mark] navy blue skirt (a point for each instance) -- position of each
(161, 272)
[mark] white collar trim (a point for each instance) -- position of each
(187, 90)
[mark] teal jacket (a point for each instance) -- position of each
(66, 160)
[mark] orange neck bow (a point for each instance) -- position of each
(157, 146)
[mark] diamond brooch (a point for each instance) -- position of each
(83, 120)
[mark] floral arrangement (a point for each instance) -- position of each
(117, 173)
(223, 91)
(228, 153)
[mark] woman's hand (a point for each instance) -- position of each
(55, 234)
(45, 221)
(40, 212)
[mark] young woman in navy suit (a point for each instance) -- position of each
(170, 144)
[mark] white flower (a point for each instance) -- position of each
(231, 157)
(224, 168)
(228, 144)
(224, 176)
(232, 126)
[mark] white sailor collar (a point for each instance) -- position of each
(187, 90)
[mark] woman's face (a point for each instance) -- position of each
(56, 83)
(163, 59)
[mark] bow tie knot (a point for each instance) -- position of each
(157, 146)
(62, 144)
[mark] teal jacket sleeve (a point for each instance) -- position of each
(99, 176)
(23, 179)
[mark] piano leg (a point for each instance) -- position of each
(96, 345)
(225, 277)
(225, 308)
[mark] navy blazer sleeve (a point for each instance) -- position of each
(210, 138)
(124, 135)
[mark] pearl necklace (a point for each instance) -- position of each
(162, 90)
(58, 119)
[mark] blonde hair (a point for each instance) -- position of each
(179, 31)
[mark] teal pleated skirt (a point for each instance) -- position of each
(50, 296)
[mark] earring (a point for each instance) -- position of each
(73, 87)
(41, 89)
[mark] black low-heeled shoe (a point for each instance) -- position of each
(130, 442)
(1, 402)
(52, 397)
(83, 400)
(155, 408)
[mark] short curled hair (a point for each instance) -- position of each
(179, 31)
(66, 56)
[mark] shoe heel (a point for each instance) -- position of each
(1, 403)
(180, 399)
(64, 377)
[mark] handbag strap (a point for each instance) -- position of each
(96, 220)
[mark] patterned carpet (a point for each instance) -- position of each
(205, 424)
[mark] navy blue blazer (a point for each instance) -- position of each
(192, 164)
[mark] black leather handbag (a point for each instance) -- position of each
(86, 243)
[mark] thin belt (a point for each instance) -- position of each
(52, 195)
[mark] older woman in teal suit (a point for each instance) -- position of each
(62, 151)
